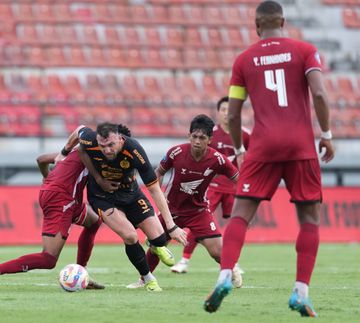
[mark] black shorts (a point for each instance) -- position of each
(137, 208)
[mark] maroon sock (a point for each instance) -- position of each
(307, 244)
(190, 247)
(86, 243)
(233, 241)
(41, 260)
(152, 259)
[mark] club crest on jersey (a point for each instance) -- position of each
(190, 187)
(125, 164)
(246, 188)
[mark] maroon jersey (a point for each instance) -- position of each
(221, 141)
(273, 72)
(68, 176)
(190, 179)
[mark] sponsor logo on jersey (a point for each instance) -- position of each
(190, 187)
(183, 171)
(246, 188)
(193, 172)
(125, 163)
(138, 155)
(175, 152)
(220, 158)
(221, 145)
(85, 142)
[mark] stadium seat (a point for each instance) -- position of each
(193, 37)
(172, 58)
(139, 14)
(95, 57)
(235, 38)
(214, 37)
(76, 56)
(103, 13)
(24, 12)
(62, 12)
(67, 34)
(213, 16)
(43, 12)
(114, 57)
(35, 56)
(227, 57)
(74, 90)
(121, 13)
(174, 37)
(112, 36)
(131, 36)
(159, 15)
(232, 16)
(55, 90)
(176, 15)
(28, 34)
(152, 58)
(151, 90)
(195, 15)
(351, 17)
(6, 12)
(48, 34)
(55, 56)
(152, 37)
(89, 35)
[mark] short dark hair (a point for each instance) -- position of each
(221, 101)
(204, 123)
(104, 129)
(269, 8)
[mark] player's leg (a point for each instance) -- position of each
(264, 179)
(91, 223)
(117, 221)
(182, 265)
(298, 175)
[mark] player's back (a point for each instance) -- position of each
(69, 175)
(274, 74)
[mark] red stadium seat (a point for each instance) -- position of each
(114, 57)
(96, 57)
(235, 38)
(121, 13)
(131, 36)
(159, 15)
(351, 17)
(139, 14)
(174, 37)
(103, 13)
(29, 34)
(172, 58)
(55, 56)
(227, 57)
(153, 58)
(193, 38)
(67, 34)
(112, 36)
(195, 15)
(214, 16)
(25, 12)
(232, 16)
(152, 37)
(48, 34)
(76, 56)
(62, 12)
(35, 56)
(214, 37)
(89, 35)
(6, 11)
(43, 12)
(176, 15)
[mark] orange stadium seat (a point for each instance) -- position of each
(29, 34)
(6, 11)
(176, 15)
(174, 37)
(139, 14)
(232, 16)
(214, 37)
(131, 36)
(347, 91)
(25, 12)
(214, 16)
(253, 37)
(235, 38)
(193, 37)
(112, 36)
(152, 37)
(351, 17)
(159, 15)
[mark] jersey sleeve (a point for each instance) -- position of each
(143, 165)
(225, 166)
(168, 160)
(311, 57)
(237, 82)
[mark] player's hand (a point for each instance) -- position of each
(329, 150)
(240, 159)
(179, 235)
(106, 185)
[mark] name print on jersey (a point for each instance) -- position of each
(272, 59)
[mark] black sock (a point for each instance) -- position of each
(136, 255)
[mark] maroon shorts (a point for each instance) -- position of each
(260, 180)
(201, 224)
(225, 199)
(60, 211)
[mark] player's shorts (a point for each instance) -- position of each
(302, 178)
(201, 224)
(60, 211)
(225, 199)
(137, 209)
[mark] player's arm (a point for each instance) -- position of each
(44, 161)
(160, 172)
(321, 106)
(106, 185)
(72, 141)
(158, 196)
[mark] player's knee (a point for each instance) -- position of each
(130, 237)
(160, 241)
(49, 260)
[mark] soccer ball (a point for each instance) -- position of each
(73, 278)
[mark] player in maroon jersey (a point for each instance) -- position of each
(61, 199)
(221, 190)
(276, 73)
(193, 166)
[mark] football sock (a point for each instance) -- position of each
(307, 244)
(225, 274)
(233, 241)
(152, 259)
(190, 246)
(136, 255)
(185, 260)
(42, 260)
(302, 288)
(148, 277)
(86, 243)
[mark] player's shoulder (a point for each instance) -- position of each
(217, 156)
(177, 150)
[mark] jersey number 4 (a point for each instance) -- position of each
(276, 83)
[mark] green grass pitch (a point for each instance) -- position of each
(270, 270)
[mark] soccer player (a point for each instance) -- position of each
(221, 190)
(276, 73)
(61, 199)
(193, 165)
(112, 159)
